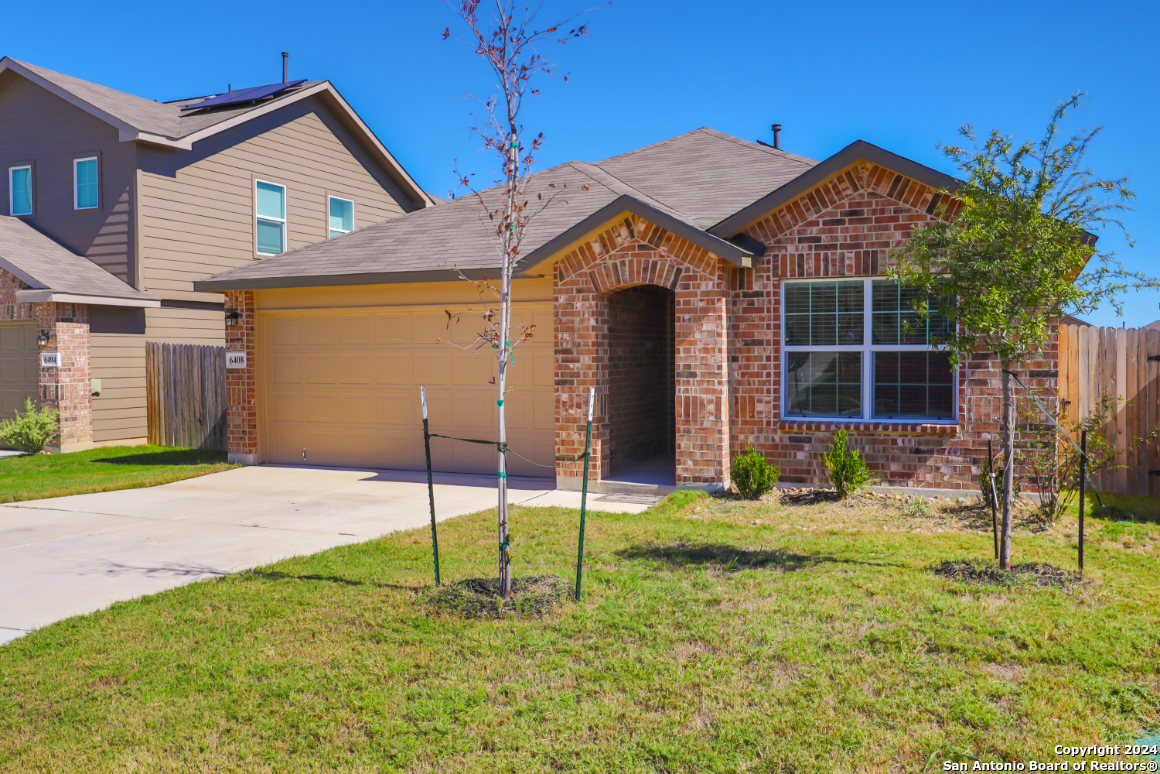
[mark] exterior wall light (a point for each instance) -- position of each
(233, 319)
(42, 339)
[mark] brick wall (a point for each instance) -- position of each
(846, 228)
(641, 379)
(241, 383)
(68, 388)
(630, 253)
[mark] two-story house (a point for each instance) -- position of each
(112, 205)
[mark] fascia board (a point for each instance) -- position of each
(45, 296)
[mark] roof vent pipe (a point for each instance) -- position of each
(777, 136)
(286, 56)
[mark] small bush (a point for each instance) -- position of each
(31, 431)
(848, 473)
(753, 475)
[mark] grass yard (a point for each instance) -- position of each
(102, 470)
(715, 636)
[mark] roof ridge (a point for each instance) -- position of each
(804, 161)
(634, 151)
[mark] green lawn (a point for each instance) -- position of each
(715, 636)
(102, 470)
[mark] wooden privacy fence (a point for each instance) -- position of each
(186, 388)
(1094, 362)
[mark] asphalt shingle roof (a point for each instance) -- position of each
(45, 264)
(697, 179)
(166, 119)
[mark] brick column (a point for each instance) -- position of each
(67, 388)
(241, 383)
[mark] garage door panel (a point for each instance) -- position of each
(355, 369)
(393, 329)
(394, 409)
(432, 367)
(285, 332)
(393, 369)
(545, 412)
(287, 406)
(426, 328)
(345, 386)
(286, 369)
(321, 407)
(320, 368)
(472, 369)
(19, 367)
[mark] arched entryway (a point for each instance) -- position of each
(642, 385)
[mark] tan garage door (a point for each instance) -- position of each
(343, 385)
(19, 367)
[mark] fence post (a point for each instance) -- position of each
(584, 492)
(430, 483)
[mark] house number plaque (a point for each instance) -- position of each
(50, 360)
(235, 360)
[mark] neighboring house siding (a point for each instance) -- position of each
(187, 326)
(197, 207)
(39, 128)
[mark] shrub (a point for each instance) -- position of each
(31, 431)
(753, 475)
(848, 473)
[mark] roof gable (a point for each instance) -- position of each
(166, 124)
(857, 151)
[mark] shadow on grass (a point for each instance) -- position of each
(733, 558)
(270, 575)
(175, 457)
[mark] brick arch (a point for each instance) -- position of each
(630, 253)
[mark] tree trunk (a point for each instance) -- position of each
(505, 562)
(1008, 468)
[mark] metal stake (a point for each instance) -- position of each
(1082, 487)
(430, 483)
(584, 492)
(994, 497)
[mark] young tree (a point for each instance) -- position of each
(506, 36)
(1012, 252)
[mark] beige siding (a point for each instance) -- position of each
(186, 326)
(197, 207)
(118, 360)
(42, 130)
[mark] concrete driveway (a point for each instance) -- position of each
(72, 555)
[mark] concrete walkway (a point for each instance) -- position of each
(72, 555)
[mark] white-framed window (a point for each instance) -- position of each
(855, 350)
(341, 216)
(86, 184)
(20, 190)
(270, 217)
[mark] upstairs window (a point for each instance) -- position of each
(857, 350)
(20, 191)
(86, 184)
(341, 216)
(270, 227)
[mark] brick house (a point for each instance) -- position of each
(112, 205)
(715, 292)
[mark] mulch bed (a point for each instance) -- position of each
(1029, 574)
(479, 597)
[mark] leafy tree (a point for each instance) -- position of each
(1012, 252)
(506, 36)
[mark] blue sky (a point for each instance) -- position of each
(903, 75)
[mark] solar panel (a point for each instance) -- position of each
(251, 94)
